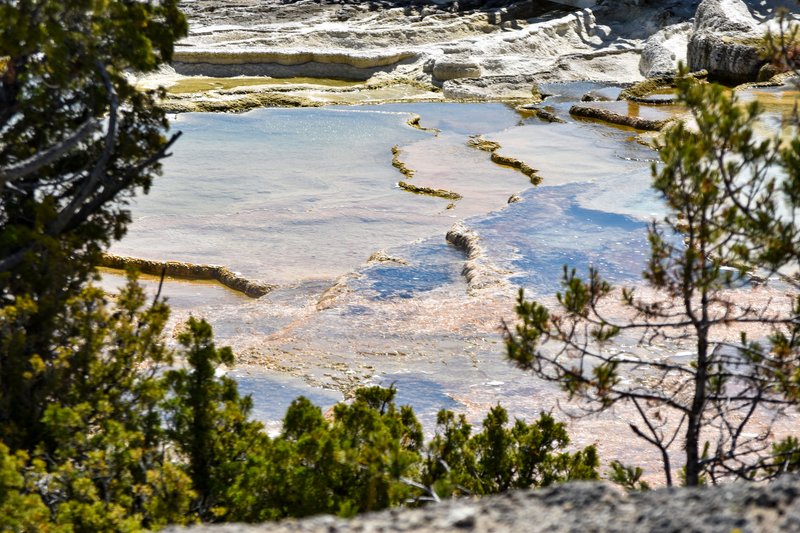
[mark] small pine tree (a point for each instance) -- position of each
(208, 422)
(733, 201)
(500, 458)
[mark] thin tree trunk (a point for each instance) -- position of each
(696, 414)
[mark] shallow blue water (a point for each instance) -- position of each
(432, 264)
(461, 119)
(281, 194)
(426, 396)
(549, 229)
(272, 394)
(300, 197)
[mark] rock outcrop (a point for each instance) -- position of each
(479, 50)
(288, 63)
(476, 50)
(663, 51)
(518, 86)
(450, 69)
(589, 507)
(179, 269)
(725, 41)
(479, 270)
(605, 115)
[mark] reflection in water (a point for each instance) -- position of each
(634, 109)
(780, 107)
(571, 92)
(182, 294)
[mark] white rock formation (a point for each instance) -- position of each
(723, 41)
(471, 52)
(664, 50)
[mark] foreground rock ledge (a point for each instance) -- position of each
(585, 507)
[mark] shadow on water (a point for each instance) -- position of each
(432, 264)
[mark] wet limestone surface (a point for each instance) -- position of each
(779, 105)
(433, 44)
(335, 324)
(277, 195)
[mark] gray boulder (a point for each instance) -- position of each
(590, 507)
(518, 86)
(663, 51)
(725, 41)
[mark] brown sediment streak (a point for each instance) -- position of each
(547, 116)
(414, 122)
(236, 104)
(399, 165)
(441, 193)
(518, 165)
(289, 58)
(479, 271)
(477, 141)
(638, 123)
(178, 269)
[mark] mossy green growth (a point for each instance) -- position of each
(441, 193)
(752, 41)
(477, 141)
(399, 165)
(196, 84)
(655, 85)
(403, 81)
(647, 87)
(237, 104)
(516, 164)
